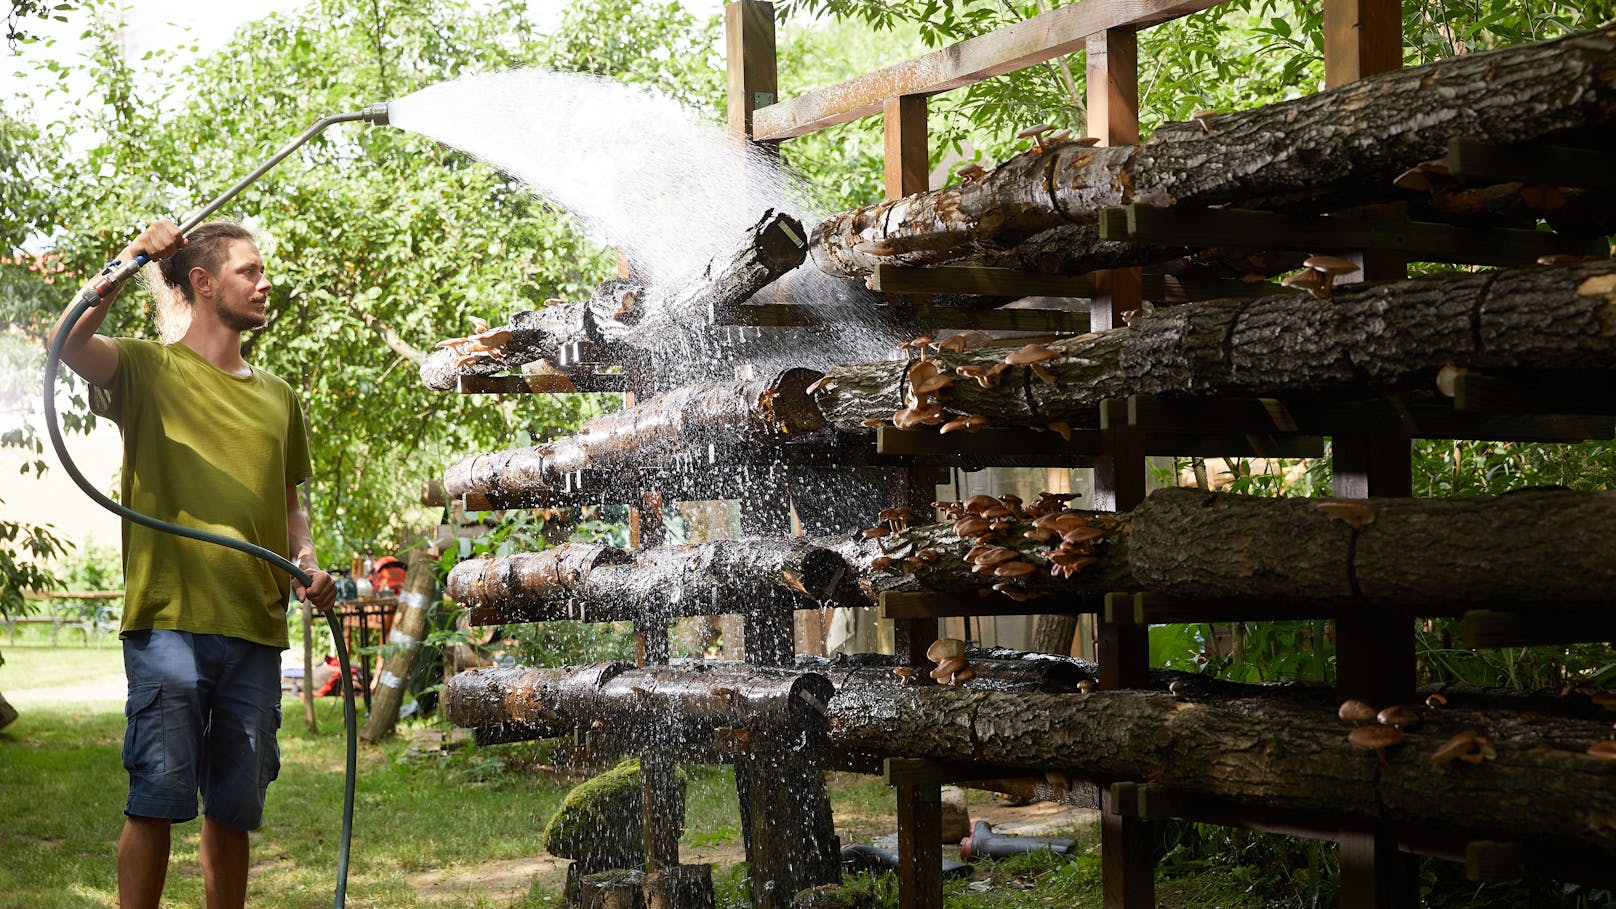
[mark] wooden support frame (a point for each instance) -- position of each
(1418, 240)
(1032, 41)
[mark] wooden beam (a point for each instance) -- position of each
(1386, 415)
(899, 604)
(977, 280)
(1538, 392)
(1031, 41)
(1549, 165)
(1425, 241)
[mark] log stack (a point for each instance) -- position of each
(1484, 351)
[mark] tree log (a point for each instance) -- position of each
(687, 419)
(601, 584)
(1370, 337)
(1283, 747)
(632, 709)
(1529, 549)
(1287, 755)
(1336, 148)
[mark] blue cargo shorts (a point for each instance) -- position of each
(203, 710)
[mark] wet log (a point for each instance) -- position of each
(586, 582)
(624, 321)
(1533, 550)
(1334, 149)
(683, 710)
(1283, 746)
(687, 419)
(1287, 754)
(1362, 338)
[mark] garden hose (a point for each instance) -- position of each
(91, 296)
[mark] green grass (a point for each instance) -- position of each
(36, 664)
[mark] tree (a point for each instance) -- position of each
(379, 242)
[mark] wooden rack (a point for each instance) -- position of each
(1371, 441)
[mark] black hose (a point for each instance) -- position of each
(88, 299)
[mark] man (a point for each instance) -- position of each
(210, 442)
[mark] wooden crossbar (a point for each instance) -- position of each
(1018, 46)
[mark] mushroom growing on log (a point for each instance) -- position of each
(1307, 153)
(1376, 336)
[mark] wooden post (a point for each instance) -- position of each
(790, 837)
(920, 853)
(1374, 657)
(749, 55)
(1122, 649)
(308, 670)
(420, 591)
(664, 811)
(907, 152)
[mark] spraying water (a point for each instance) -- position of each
(641, 171)
(649, 176)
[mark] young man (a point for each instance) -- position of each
(210, 442)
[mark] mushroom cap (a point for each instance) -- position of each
(1460, 746)
(1331, 265)
(1398, 715)
(965, 674)
(944, 649)
(1436, 701)
(1032, 131)
(955, 425)
(1307, 279)
(979, 503)
(1605, 749)
(1032, 353)
(1375, 736)
(947, 668)
(1014, 570)
(1356, 712)
(971, 526)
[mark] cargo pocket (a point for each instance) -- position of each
(144, 750)
(269, 749)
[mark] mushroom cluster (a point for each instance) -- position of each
(1318, 275)
(1373, 730)
(926, 379)
(990, 522)
(485, 343)
(952, 667)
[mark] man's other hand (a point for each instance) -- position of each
(321, 592)
(159, 241)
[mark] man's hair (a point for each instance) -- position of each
(204, 246)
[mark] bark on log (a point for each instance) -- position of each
(1336, 148)
(647, 708)
(1289, 756)
(600, 584)
(687, 419)
(1530, 549)
(1365, 337)
(1284, 747)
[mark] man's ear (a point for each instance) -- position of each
(201, 281)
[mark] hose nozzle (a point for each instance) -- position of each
(376, 114)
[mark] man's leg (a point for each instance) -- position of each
(241, 759)
(142, 862)
(224, 864)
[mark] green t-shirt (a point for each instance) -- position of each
(210, 450)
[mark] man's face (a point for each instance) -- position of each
(242, 288)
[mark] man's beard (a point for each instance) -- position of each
(236, 321)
